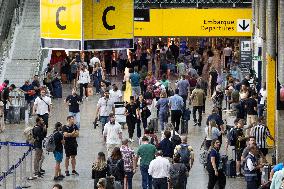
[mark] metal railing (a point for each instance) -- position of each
(140, 4)
(38, 69)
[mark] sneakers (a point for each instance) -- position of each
(67, 173)
(42, 171)
(199, 124)
(61, 176)
(194, 124)
(58, 178)
(75, 173)
(38, 175)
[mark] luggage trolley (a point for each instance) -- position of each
(119, 113)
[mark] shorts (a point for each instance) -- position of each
(239, 153)
(58, 156)
(264, 151)
(70, 150)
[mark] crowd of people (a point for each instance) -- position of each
(175, 83)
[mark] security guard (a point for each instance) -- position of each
(251, 168)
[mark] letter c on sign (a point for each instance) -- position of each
(106, 25)
(57, 18)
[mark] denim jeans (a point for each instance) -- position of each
(103, 120)
(163, 118)
(160, 183)
(146, 178)
(97, 83)
(77, 118)
(136, 91)
(129, 179)
(260, 110)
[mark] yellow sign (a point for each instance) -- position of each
(196, 22)
(108, 19)
(60, 20)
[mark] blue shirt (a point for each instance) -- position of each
(167, 147)
(27, 88)
(215, 117)
(278, 167)
(183, 86)
(176, 102)
(163, 105)
(135, 79)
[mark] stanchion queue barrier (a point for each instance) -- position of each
(13, 168)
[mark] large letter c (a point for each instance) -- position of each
(106, 25)
(57, 18)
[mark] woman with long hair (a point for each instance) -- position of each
(99, 168)
(97, 76)
(116, 165)
(214, 167)
(128, 90)
(212, 133)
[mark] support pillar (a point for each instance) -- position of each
(271, 20)
(280, 113)
(262, 32)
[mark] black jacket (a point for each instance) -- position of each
(39, 134)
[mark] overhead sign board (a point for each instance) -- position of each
(60, 24)
(108, 24)
(195, 22)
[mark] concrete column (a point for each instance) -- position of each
(262, 32)
(256, 13)
(271, 18)
(280, 113)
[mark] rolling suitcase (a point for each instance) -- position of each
(14, 114)
(184, 126)
(265, 174)
(230, 168)
(154, 124)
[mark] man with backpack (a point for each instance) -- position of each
(39, 133)
(186, 153)
(237, 139)
(159, 170)
(178, 174)
(70, 132)
(58, 151)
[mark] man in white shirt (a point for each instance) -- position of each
(112, 134)
(115, 94)
(42, 106)
(105, 106)
(159, 170)
(263, 96)
(93, 62)
(227, 55)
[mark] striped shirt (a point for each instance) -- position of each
(260, 132)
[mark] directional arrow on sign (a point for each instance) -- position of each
(243, 25)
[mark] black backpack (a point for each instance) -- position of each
(232, 137)
(114, 169)
(176, 140)
(176, 175)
